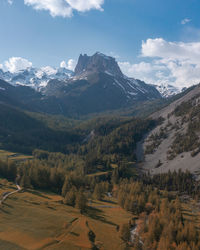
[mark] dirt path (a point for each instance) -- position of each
(6, 195)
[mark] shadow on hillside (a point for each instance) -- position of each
(97, 214)
(38, 194)
(7, 205)
(4, 211)
(109, 201)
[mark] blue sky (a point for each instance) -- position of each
(115, 27)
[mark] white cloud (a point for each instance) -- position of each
(186, 20)
(139, 68)
(69, 65)
(171, 50)
(175, 63)
(63, 64)
(115, 55)
(65, 8)
(15, 64)
(10, 2)
(48, 70)
(85, 5)
(151, 73)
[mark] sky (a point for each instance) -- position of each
(157, 41)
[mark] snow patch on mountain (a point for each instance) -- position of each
(167, 90)
(36, 78)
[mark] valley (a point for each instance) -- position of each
(101, 161)
(99, 125)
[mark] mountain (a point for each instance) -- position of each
(97, 63)
(99, 85)
(36, 78)
(17, 96)
(23, 132)
(175, 143)
(167, 90)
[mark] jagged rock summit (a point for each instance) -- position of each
(97, 63)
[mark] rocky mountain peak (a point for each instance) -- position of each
(97, 63)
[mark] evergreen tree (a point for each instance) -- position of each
(125, 233)
(98, 194)
(70, 197)
(25, 181)
(81, 201)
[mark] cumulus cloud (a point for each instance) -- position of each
(10, 2)
(63, 64)
(186, 20)
(171, 50)
(151, 73)
(15, 64)
(48, 70)
(115, 55)
(175, 63)
(69, 65)
(139, 68)
(65, 8)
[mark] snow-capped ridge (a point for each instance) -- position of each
(36, 78)
(167, 90)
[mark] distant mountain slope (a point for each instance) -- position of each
(19, 132)
(175, 144)
(19, 96)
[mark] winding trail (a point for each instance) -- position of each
(6, 195)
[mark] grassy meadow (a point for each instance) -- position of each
(38, 220)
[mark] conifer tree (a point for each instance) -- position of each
(125, 232)
(81, 201)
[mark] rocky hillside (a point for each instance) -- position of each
(175, 143)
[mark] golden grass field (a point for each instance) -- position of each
(39, 220)
(4, 155)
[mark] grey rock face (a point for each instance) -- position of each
(97, 63)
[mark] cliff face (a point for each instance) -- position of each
(97, 63)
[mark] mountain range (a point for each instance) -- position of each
(38, 78)
(96, 85)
